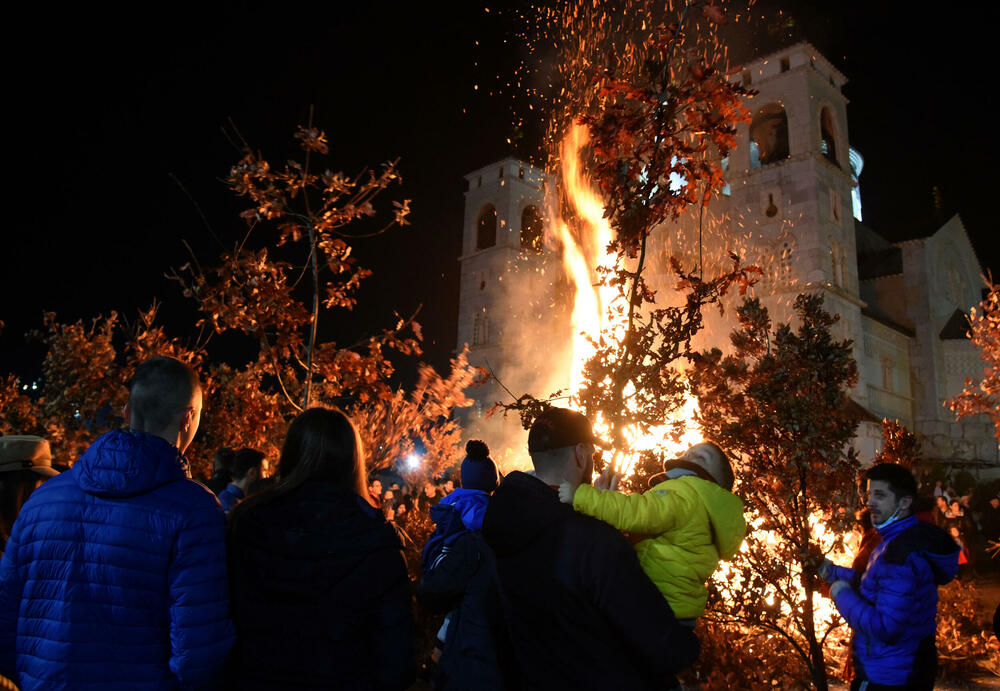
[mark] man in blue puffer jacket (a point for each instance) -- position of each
(892, 605)
(114, 576)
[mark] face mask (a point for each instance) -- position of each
(890, 520)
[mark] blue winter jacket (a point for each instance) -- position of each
(892, 609)
(114, 576)
(471, 506)
(230, 497)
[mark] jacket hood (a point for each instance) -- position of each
(126, 463)
(522, 508)
(909, 536)
(725, 514)
(470, 504)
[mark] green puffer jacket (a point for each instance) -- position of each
(687, 525)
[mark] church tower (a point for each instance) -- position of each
(504, 285)
(793, 183)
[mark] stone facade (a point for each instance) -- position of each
(793, 208)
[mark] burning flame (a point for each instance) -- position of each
(584, 246)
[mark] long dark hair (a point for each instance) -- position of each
(322, 445)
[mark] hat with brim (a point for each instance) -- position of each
(26, 452)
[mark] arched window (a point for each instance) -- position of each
(769, 135)
(531, 228)
(486, 228)
(480, 329)
(827, 141)
(836, 263)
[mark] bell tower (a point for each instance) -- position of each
(793, 183)
(505, 287)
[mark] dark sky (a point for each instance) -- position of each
(109, 108)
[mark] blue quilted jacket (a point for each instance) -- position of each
(114, 576)
(892, 606)
(470, 504)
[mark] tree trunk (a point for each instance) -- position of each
(816, 662)
(311, 343)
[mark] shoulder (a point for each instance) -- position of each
(920, 537)
(52, 496)
(591, 535)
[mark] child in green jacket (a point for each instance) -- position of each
(688, 521)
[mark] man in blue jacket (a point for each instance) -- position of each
(114, 574)
(891, 606)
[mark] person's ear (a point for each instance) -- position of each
(187, 419)
(906, 503)
(580, 454)
(127, 412)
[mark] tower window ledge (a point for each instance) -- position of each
(846, 174)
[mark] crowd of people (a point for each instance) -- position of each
(972, 519)
(123, 572)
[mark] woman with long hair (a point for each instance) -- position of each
(321, 596)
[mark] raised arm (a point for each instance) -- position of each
(650, 513)
(888, 616)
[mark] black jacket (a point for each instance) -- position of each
(320, 595)
(461, 581)
(579, 611)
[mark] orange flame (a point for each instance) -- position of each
(584, 245)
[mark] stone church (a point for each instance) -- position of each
(793, 188)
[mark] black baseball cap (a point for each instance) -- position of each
(560, 427)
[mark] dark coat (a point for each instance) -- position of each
(321, 596)
(219, 481)
(579, 611)
(115, 575)
(461, 581)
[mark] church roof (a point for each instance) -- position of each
(874, 314)
(957, 328)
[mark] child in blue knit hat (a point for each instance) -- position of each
(479, 478)
(459, 516)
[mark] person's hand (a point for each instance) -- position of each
(609, 479)
(566, 492)
(825, 569)
(837, 587)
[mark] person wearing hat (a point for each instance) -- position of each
(114, 574)
(578, 611)
(689, 519)
(458, 578)
(25, 463)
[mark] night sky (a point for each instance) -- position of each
(116, 118)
